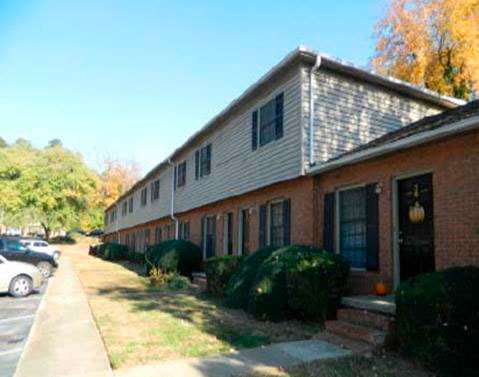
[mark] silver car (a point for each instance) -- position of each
(18, 278)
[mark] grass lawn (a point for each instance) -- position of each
(354, 366)
(140, 324)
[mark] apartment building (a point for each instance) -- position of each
(242, 182)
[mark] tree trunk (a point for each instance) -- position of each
(46, 229)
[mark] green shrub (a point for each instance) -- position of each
(114, 251)
(172, 280)
(179, 256)
(219, 271)
(315, 284)
(239, 285)
(437, 316)
(135, 257)
(268, 297)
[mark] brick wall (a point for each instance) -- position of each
(454, 163)
(299, 191)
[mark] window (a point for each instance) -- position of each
(353, 226)
(275, 223)
(124, 208)
(184, 231)
(113, 216)
(181, 174)
(147, 239)
(107, 215)
(155, 190)
(130, 205)
(209, 236)
(270, 122)
(203, 161)
(144, 195)
(276, 218)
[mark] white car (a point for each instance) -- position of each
(40, 246)
(18, 278)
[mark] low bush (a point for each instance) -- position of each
(135, 257)
(172, 280)
(219, 271)
(437, 317)
(315, 284)
(114, 251)
(179, 256)
(268, 297)
(239, 285)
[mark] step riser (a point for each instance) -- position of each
(367, 319)
(373, 337)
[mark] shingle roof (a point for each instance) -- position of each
(425, 124)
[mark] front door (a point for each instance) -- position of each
(416, 226)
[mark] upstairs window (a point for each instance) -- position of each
(124, 208)
(155, 190)
(130, 205)
(181, 174)
(270, 119)
(144, 193)
(203, 161)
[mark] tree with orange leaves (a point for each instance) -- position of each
(431, 43)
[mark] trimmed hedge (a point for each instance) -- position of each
(219, 271)
(109, 251)
(135, 257)
(315, 285)
(179, 256)
(268, 296)
(437, 318)
(239, 286)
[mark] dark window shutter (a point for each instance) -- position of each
(175, 175)
(372, 229)
(184, 173)
(197, 164)
(262, 225)
(279, 117)
(254, 130)
(208, 157)
(328, 222)
(187, 231)
(213, 238)
(287, 222)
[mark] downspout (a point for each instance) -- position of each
(316, 66)
(116, 224)
(172, 208)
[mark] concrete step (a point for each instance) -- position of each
(366, 318)
(374, 337)
(385, 305)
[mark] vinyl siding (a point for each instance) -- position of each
(348, 113)
(235, 167)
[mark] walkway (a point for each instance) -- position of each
(64, 341)
(242, 362)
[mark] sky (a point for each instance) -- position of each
(133, 80)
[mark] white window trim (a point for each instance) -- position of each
(337, 234)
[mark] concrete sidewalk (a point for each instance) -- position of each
(64, 341)
(239, 363)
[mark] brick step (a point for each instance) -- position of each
(366, 318)
(374, 337)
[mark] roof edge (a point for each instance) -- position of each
(398, 145)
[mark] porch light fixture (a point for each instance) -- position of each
(378, 189)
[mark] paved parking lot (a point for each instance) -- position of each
(16, 319)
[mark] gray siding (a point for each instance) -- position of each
(349, 113)
(235, 167)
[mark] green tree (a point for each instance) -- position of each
(55, 143)
(3, 143)
(56, 190)
(24, 143)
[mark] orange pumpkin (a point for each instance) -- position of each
(380, 288)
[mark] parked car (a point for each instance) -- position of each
(13, 250)
(18, 278)
(41, 246)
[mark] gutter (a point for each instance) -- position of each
(316, 66)
(408, 142)
(172, 207)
